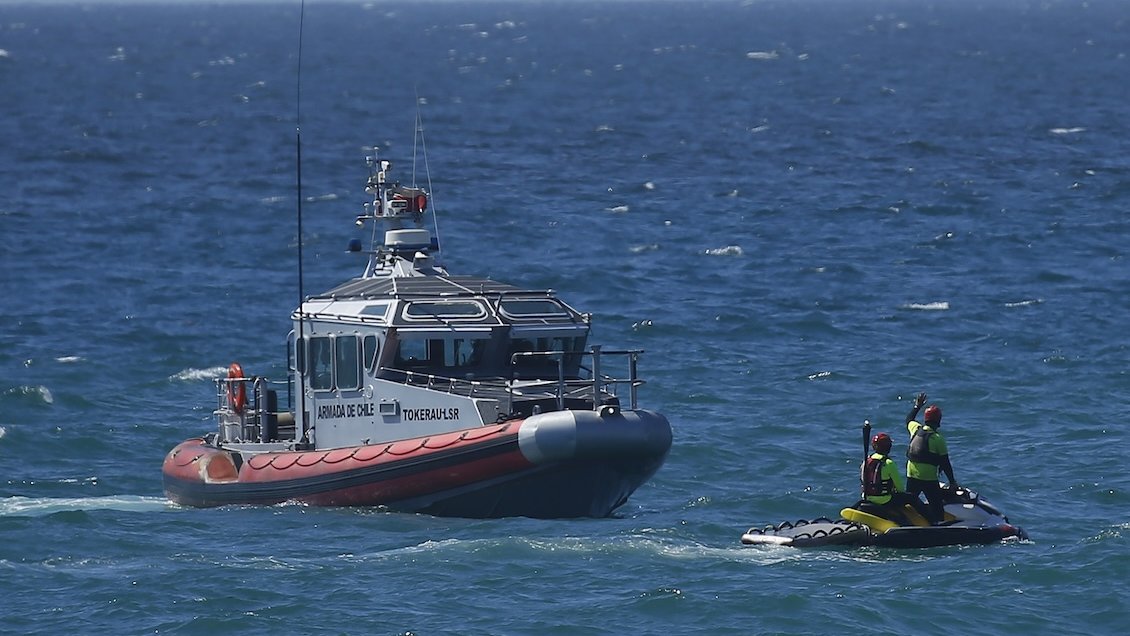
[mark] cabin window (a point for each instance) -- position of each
(412, 353)
(378, 310)
(461, 353)
(371, 349)
(570, 349)
(346, 363)
(444, 309)
(335, 362)
(562, 344)
(295, 355)
(441, 355)
(321, 363)
(570, 345)
(533, 308)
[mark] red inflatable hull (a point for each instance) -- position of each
(568, 467)
(198, 474)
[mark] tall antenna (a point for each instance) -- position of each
(300, 343)
(418, 136)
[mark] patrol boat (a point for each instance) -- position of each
(418, 391)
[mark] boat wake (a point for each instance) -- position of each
(192, 375)
(44, 506)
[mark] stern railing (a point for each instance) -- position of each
(600, 385)
(597, 388)
(259, 419)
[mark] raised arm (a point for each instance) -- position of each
(918, 403)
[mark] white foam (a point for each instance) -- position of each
(42, 506)
(729, 250)
(193, 375)
(40, 391)
(940, 305)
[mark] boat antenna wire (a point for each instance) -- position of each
(418, 134)
(299, 345)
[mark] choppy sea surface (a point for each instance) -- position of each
(805, 211)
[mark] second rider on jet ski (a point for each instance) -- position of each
(882, 483)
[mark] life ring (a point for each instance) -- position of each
(237, 392)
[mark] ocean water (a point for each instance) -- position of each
(805, 211)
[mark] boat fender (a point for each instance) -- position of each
(237, 392)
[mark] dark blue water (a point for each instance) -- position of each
(805, 211)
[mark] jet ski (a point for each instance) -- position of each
(970, 519)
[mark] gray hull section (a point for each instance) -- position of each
(592, 435)
(586, 464)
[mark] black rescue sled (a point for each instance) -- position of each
(807, 534)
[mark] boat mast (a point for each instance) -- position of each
(300, 343)
(418, 134)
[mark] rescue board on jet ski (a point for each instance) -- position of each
(880, 525)
(876, 523)
(809, 533)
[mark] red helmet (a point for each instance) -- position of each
(933, 414)
(881, 443)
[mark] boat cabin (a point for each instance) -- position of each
(406, 350)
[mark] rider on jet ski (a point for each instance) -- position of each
(926, 456)
(882, 483)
